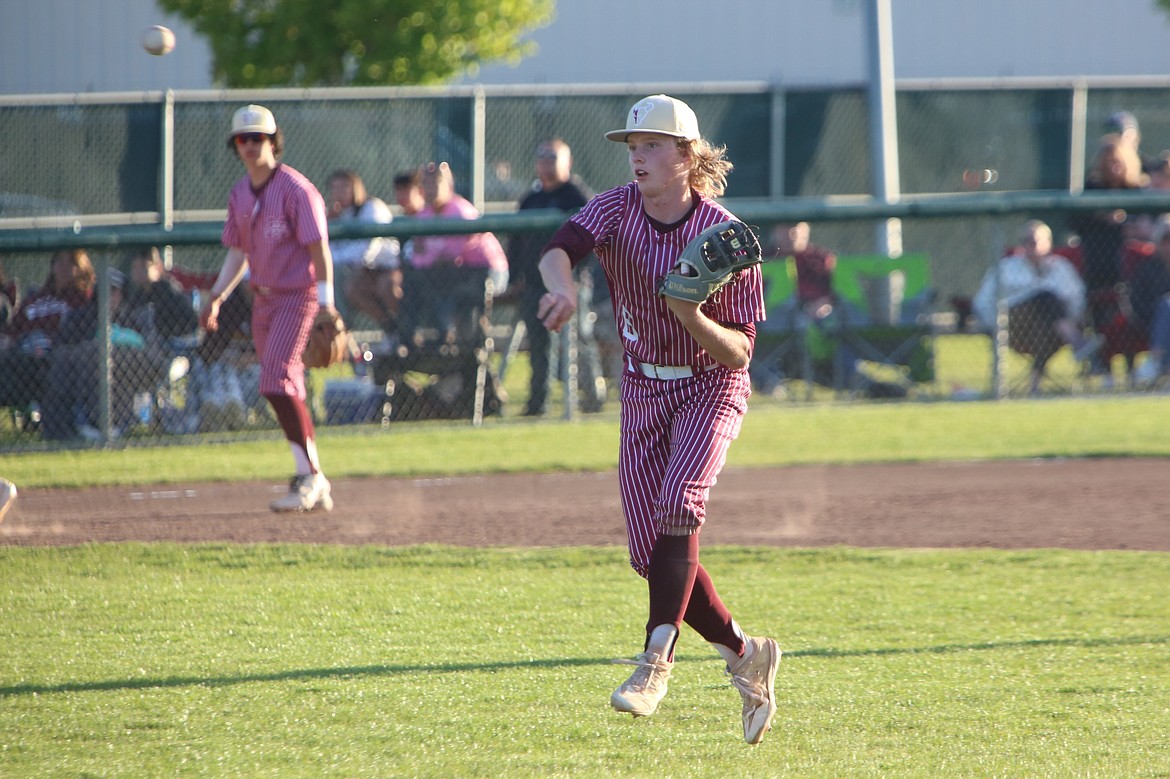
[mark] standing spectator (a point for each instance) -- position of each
(1045, 298)
(556, 187)
(369, 271)
(31, 331)
(1115, 167)
(1125, 125)
(276, 229)
(684, 395)
(1103, 234)
(446, 269)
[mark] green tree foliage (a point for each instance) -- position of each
(261, 43)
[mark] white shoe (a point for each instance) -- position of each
(307, 492)
(7, 497)
(755, 677)
(1147, 373)
(639, 695)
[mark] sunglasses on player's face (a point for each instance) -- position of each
(243, 138)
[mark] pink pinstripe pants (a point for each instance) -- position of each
(281, 322)
(675, 435)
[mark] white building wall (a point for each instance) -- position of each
(93, 45)
(49, 46)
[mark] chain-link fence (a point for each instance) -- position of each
(138, 369)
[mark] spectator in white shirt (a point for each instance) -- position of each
(369, 270)
(1045, 300)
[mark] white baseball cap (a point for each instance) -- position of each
(253, 119)
(659, 114)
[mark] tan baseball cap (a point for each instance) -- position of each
(253, 119)
(659, 114)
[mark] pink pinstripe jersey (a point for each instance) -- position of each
(635, 253)
(273, 227)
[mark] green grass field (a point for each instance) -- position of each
(132, 661)
(322, 661)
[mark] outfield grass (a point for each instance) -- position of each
(302, 661)
(320, 661)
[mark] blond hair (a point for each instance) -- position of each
(709, 166)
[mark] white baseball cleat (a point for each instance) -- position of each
(755, 677)
(639, 695)
(7, 497)
(306, 492)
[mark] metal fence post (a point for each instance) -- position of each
(105, 352)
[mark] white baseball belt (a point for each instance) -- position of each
(653, 371)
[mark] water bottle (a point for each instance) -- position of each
(142, 407)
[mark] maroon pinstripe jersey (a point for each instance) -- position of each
(273, 227)
(637, 252)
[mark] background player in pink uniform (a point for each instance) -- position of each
(684, 392)
(276, 230)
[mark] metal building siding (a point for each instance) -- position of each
(93, 45)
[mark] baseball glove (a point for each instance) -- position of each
(711, 260)
(328, 340)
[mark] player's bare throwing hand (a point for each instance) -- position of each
(684, 392)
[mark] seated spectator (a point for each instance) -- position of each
(408, 193)
(156, 304)
(31, 332)
(1045, 298)
(222, 383)
(72, 391)
(814, 307)
(446, 272)
(814, 294)
(221, 402)
(368, 271)
(1148, 291)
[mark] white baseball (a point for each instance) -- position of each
(158, 40)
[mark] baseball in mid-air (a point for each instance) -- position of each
(158, 40)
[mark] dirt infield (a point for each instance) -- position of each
(1075, 504)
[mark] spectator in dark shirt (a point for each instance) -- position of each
(556, 187)
(72, 390)
(156, 304)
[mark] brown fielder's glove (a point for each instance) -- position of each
(711, 260)
(328, 340)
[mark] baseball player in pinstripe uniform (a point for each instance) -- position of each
(276, 230)
(684, 392)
